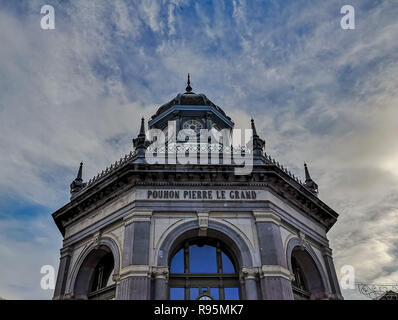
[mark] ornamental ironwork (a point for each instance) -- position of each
(178, 148)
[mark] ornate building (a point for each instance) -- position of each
(143, 230)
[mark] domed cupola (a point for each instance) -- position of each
(189, 105)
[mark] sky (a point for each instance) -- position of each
(319, 94)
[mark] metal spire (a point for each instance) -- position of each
(142, 129)
(79, 173)
(254, 128)
(258, 144)
(307, 174)
(77, 184)
(188, 88)
(309, 183)
(140, 143)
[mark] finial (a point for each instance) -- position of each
(307, 174)
(142, 129)
(309, 183)
(258, 144)
(140, 143)
(77, 184)
(79, 173)
(253, 127)
(188, 88)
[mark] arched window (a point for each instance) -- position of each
(102, 277)
(308, 282)
(203, 269)
(299, 286)
(95, 276)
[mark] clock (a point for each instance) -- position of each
(193, 124)
(205, 297)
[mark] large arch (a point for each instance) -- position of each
(315, 276)
(239, 249)
(216, 230)
(84, 267)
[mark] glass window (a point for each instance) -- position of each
(177, 293)
(215, 293)
(231, 293)
(193, 293)
(103, 273)
(203, 267)
(202, 259)
(177, 264)
(227, 266)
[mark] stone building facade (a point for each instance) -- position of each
(266, 231)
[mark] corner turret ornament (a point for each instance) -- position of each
(78, 183)
(140, 143)
(309, 183)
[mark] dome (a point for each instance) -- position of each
(189, 98)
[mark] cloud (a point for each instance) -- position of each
(318, 94)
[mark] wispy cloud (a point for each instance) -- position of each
(318, 93)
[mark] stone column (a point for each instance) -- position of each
(334, 283)
(161, 276)
(63, 269)
(135, 273)
(275, 277)
(276, 283)
(249, 276)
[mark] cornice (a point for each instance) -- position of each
(132, 175)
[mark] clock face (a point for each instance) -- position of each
(194, 125)
(205, 297)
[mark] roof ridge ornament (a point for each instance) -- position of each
(78, 183)
(140, 143)
(258, 144)
(188, 89)
(253, 127)
(309, 183)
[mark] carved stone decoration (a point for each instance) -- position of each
(275, 271)
(135, 271)
(267, 215)
(116, 278)
(303, 242)
(250, 273)
(96, 239)
(203, 221)
(160, 272)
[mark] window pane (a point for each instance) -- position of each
(215, 293)
(177, 264)
(177, 293)
(193, 293)
(231, 293)
(202, 259)
(227, 266)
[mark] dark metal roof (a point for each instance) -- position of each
(190, 99)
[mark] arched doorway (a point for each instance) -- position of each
(94, 279)
(307, 283)
(205, 269)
